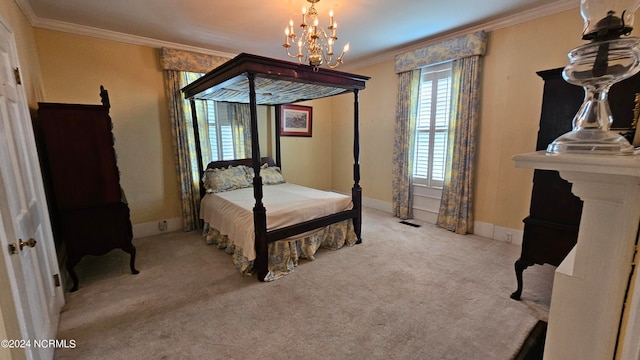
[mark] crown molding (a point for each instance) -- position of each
(545, 10)
(75, 29)
(124, 38)
(504, 22)
(27, 10)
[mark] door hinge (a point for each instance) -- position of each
(16, 73)
(56, 279)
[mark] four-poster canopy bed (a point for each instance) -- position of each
(257, 80)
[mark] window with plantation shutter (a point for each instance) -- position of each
(219, 125)
(432, 125)
(220, 132)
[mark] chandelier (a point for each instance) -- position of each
(315, 44)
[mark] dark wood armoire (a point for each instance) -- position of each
(88, 210)
(551, 229)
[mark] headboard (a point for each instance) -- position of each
(223, 164)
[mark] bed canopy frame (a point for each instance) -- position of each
(258, 80)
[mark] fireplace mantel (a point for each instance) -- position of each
(592, 283)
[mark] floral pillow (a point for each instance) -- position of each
(231, 178)
(270, 175)
(251, 173)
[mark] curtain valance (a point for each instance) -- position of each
(180, 60)
(452, 49)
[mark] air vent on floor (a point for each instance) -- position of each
(409, 223)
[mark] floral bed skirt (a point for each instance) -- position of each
(285, 254)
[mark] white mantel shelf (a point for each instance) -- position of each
(588, 298)
(604, 164)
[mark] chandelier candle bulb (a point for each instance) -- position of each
(315, 42)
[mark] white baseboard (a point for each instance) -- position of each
(499, 233)
(153, 227)
(372, 203)
(480, 228)
(428, 216)
(483, 229)
(377, 204)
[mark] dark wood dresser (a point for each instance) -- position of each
(88, 210)
(551, 229)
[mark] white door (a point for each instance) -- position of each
(24, 214)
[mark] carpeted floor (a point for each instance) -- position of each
(404, 293)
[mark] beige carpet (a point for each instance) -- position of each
(404, 293)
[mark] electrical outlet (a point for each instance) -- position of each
(508, 237)
(162, 225)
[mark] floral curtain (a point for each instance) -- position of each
(403, 148)
(456, 204)
(175, 63)
(452, 49)
(457, 197)
(180, 60)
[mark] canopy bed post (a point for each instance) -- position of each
(196, 135)
(259, 211)
(356, 192)
(277, 128)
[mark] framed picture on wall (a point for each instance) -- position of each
(295, 120)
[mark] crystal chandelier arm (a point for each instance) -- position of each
(315, 44)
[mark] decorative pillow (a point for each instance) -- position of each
(270, 175)
(250, 173)
(231, 178)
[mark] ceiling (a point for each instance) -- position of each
(229, 27)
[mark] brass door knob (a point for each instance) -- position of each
(30, 243)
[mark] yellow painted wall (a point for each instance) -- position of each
(74, 67)
(511, 98)
(307, 160)
(377, 116)
(511, 105)
(510, 114)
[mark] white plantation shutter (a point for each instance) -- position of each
(213, 131)
(219, 125)
(220, 131)
(432, 125)
(227, 142)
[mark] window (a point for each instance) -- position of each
(432, 125)
(220, 133)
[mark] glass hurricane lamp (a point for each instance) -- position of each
(609, 57)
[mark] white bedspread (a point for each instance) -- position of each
(231, 212)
